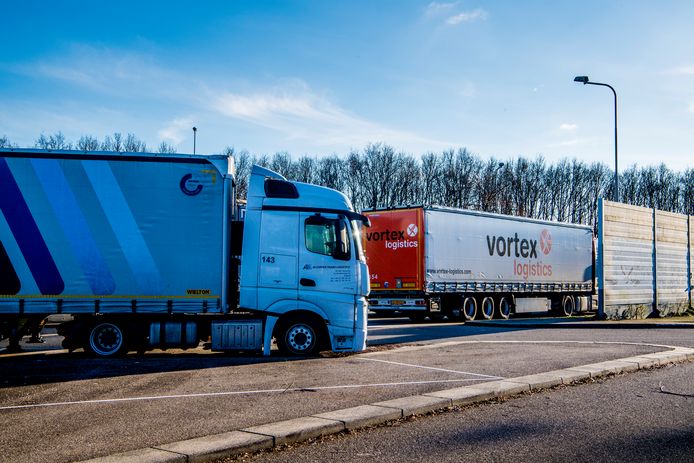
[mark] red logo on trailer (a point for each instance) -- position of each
(545, 241)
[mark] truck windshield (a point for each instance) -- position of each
(356, 236)
(329, 237)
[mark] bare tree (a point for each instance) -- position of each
(6, 143)
(134, 145)
(87, 143)
(165, 148)
(56, 141)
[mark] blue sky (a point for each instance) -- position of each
(324, 77)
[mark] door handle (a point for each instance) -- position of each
(307, 282)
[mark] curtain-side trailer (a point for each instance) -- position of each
(461, 264)
(146, 251)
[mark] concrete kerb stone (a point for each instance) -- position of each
(361, 416)
(298, 429)
(463, 395)
(217, 446)
(147, 455)
(416, 404)
(504, 388)
(643, 362)
(569, 375)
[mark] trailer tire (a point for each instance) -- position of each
(567, 306)
(469, 308)
(504, 308)
(105, 339)
(299, 336)
(487, 306)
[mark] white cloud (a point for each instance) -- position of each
(690, 109)
(176, 131)
(467, 16)
(436, 8)
(680, 71)
(298, 113)
(568, 127)
(291, 109)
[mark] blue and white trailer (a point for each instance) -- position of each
(146, 251)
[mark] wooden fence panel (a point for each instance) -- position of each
(643, 261)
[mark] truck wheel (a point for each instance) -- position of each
(567, 306)
(504, 308)
(299, 336)
(106, 340)
(487, 308)
(469, 308)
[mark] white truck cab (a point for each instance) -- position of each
(303, 266)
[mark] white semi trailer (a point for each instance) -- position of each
(145, 251)
(436, 262)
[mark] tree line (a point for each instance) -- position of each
(380, 177)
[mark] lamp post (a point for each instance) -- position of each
(584, 80)
(195, 132)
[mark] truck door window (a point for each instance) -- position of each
(329, 237)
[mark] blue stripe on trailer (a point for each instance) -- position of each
(9, 281)
(124, 226)
(27, 234)
(74, 225)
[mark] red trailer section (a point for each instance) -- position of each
(395, 249)
(395, 256)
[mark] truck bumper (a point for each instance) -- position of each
(352, 339)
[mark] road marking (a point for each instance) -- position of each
(437, 345)
(432, 368)
(228, 393)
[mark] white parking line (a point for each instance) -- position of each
(228, 393)
(432, 368)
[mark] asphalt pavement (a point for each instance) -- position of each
(645, 416)
(80, 408)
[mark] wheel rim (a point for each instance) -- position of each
(106, 339)
(300, 338)
(488, 308)
(504, 308)
(470, 309)
(568, 306)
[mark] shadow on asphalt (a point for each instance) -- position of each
(383, 330)
(45, 365)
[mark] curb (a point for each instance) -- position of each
(270, 435)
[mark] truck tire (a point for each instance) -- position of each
(504, 308)
(299, 336)
(469, 308)
(487, 306)
(105, 339)
(567, 306)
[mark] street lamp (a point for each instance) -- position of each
(584, 80)
(195, 132)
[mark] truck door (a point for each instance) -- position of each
(328, 266)
(277, 271)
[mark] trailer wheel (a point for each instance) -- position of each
(299, 336)
(504, 308)
(487, 308)
(469, 308)
(567, 306)
(106, 340)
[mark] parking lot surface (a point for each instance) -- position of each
(78, 407)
